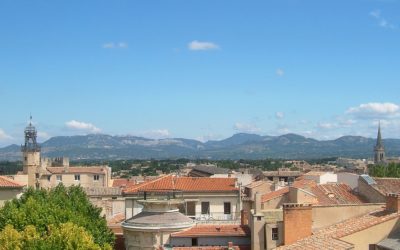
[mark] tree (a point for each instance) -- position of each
(65, 236)
(57, 206)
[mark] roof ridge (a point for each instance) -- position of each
(5, 178)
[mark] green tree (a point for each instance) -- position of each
(66, 236)
(41, 208)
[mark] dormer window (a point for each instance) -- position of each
(96, 177)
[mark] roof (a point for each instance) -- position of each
(123, 182)
(316, 173)
(368, 179)
(245, 247)
(282, 173)
(254, 184)
(387, 185)
(6, 182)
(76, 170)
(329, 237)
(215, 230)
(149, 219)
(298, 184)
(332, 194)
(209, 169)
(100, 191)
(186, 184)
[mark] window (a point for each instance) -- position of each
(59, 178)
(96, 177)
(77, 177)
(194, 242)
(26, 158)
(48, 178)
(227, 208)
(205, 207)
(37, 176)
(275, 235)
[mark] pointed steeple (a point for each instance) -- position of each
(379, 150)
(379, 143)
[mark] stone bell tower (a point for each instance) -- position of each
(31, 154)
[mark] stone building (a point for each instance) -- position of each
(47, 173)
(159, 218)
(9, 189)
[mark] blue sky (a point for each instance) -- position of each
(200, 69)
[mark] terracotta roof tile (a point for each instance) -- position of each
(329, 237)
(304, 184)
(214, 231)
(123, 183)
(387, 185)
(213, 248)
(188, 184)
(6, 182)
(73, 170)
(332, 194)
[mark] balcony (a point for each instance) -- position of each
(218, 218)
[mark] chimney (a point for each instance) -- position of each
(257, 203)
(244, 220)
(393, 202)
(297, 222)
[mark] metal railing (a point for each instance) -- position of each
(217, 217)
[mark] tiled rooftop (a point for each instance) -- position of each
(332, 194)
(6, 182)
(123, 183)
(102, 191)
(188, 184)
(213, 248)
(329, 237)
(73, 170)
(215, 231)
(387, 185)
(304, 184)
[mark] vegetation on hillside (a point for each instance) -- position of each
(59, 218)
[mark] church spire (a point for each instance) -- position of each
(379, 150)
(379, 143)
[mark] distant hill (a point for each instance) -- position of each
(239, 146)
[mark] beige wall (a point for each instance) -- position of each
(110, 207)
(68, 179)
(298, 195)
(8, 194)
(31, 165)
(370, 193)
(328, 215)
(276, 202)
(372, 235)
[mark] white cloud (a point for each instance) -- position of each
(83, 126)
(279, 115)
(4, 135)
(197, 45)
(209, 137)
(43, 135)
(382, 22)
(326, 125)
(280, 72)
(374, 110)
(117, 45)
(157, 133)
(246, 128)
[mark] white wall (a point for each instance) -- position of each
(350, 179)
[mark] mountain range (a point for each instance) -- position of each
(239, 146)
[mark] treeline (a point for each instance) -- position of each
(390, 170)
(10, 167)
(128, 168)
